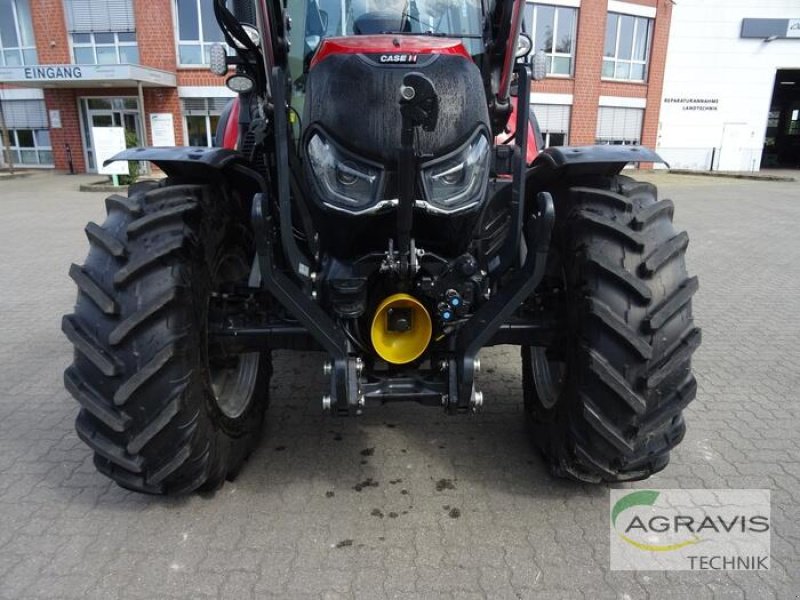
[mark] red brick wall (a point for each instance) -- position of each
(65, 101)
(554, 85)
(50, 31)
(52, 47)
(155, 34)
(158, 100)
(658, 61)
(164, 100)
(586, 85)
(588, 63)
(200, 77)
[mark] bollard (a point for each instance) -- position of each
(69, 159)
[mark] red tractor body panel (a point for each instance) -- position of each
(390, 45)
(231, 137)
(507, 137)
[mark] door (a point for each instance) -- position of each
(733, 153)
(108, 112)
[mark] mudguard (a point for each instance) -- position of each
(200, 163)
(590, 160)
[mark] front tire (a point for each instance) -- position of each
(606, 399)
(156, 405)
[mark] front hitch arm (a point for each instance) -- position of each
(344, 392)
(488, 319)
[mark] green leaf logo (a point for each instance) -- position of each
(644, 498)
(641, 498)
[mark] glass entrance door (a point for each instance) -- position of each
(108, 112)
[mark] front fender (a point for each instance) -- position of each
(199, 164)
(590, 160)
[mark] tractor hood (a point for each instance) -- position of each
(353, 93)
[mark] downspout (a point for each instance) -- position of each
(143, 123)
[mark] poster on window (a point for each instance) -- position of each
(162, 129)
(109, 141)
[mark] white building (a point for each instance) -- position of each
(731, 97)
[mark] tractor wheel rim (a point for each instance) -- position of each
(234, 386)
(548, 377)
(233, 378)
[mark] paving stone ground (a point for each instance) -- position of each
(293, 526)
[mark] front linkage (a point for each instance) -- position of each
(453, 386)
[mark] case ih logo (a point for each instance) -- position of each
(403, 59)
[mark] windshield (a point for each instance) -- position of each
(314, 20)
(444, 17)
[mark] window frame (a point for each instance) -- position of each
(548, 139)
(204, 45)
(615, 60)
(545, 125)
(553, 55)
(621, 140)
(21, 49)
(93, 45)
(17, 150)
(208, 113)
(210, 130)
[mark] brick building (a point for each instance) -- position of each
(69, 65)
(605, 69)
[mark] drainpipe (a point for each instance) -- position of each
(6, 139)
(143, 124)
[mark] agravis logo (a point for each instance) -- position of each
(690, 529)
(659, 523)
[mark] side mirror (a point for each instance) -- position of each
(217, 59)
(524, 45)
(539, 66)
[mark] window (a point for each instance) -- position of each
(627, 47)
(30, 147)
(103, 32)
(552, 29)
(17, 46)
(202, 117)
(619, 126)
(105, 48)
(793, 124)
(553, 121)
(86, 16)
(197, 31)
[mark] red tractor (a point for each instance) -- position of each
(379, 194)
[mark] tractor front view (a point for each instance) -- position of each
(379, 193)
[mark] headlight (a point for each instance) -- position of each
(458, 181)
(344, 181)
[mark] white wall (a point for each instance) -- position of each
(707, 60)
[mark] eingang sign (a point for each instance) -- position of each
(53, 73)
(86, 75)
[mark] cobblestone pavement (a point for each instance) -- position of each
(293, 526)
